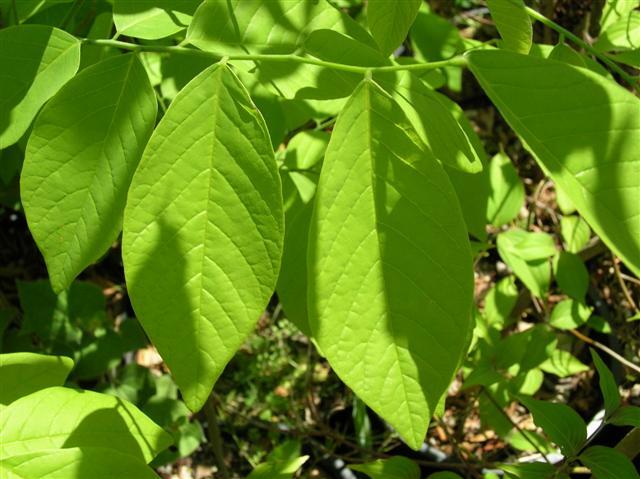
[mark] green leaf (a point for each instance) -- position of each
(527, 255)
(575, 233)
(507, 191)
(396, 467)
(513, 24)
(385, 219)
(572, 275)
(211, 227)
(562, 363)
(48, 59)
(521, 440)
(304, 152)
(389, 22)
(61, 418)
(282, 462)
(584, 131)
(608, 385)
(614, 10)
(561, 423)
(25, 373)
(622, 35)
(432, 115)
(81, 155)
(152, 19)
(445, 475)
(74, 463)
(534, 470)
(569, 314)
(607, 463)
(626, 416)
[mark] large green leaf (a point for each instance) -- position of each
(79, 162)
(513, 23)
(583, 129)
(389, 22)
(607, 463)
(60, 417)
(152, 19)
(203, 229)
(47, 59)
(622, 35)
(614, 10)
(561, 423)
(389, 264)
(25, 373)
(284, 27)
(74, 463)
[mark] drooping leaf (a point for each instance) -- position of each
(74, 463)
(48, 58)
(61, 418)
(561, 423)
(25, 373)
(527, 254)
(431, 115)
(500, 301)
(575, 233)
(583, 129)
(389, 22)
(80, 158)
(152, 19)
(304, 153)
(386, 227)
(397, 467)
(626, 416)
(507, 191)
(607, 383)
(571, 274)
(513, 23)
(607, 463)
(204, 213)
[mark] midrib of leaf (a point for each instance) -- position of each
(91, 187)
(570, 177)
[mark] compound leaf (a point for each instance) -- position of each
(583, 129)
(25, 373)
(204, 215)
(59, 417)
(48, 58)
(389, 265)
(79, 162)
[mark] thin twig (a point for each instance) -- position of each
(625, 290)
(215, 439)
(514, 424)
(602, 347)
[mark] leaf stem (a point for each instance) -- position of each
(602, 347)
(287, 58)
(578, 41)
(215, 438)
